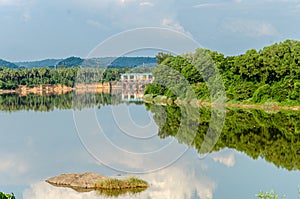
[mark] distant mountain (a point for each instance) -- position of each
(108, 62)
(132, 62)
(7, 64)
(70, 62)
(103, 62)
(38, 64)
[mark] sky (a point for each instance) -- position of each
(39, 29)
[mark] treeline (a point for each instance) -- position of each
(274, 137)
(12, 78)
(47, 103)
(268, 75)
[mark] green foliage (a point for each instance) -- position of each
(154, 89)
(274, 137)
(160, 57)
(46, 103)
(7, 196)
(118, 192)
(70, 62)
(127, 183)
(295, 95)
(12, 78)
(272, 73)
(261, 94)
(268, 195)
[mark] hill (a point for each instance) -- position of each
(132, 62)
(102, 62)
(38, 64)
(7, 64)
(119, 62)
(70, 62)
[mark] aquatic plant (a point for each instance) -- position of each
(127, 183)
(7, 196)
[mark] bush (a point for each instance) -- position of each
(295, 95)
(261, 94)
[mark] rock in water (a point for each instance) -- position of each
(86, 180)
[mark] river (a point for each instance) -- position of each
(44, 136)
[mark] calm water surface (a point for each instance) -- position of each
(256, 150)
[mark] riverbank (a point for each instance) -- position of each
(56, 89)
(163, 100)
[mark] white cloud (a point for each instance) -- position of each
(10, 164)
(118, 14)
(96, 24)
(11, 168)
(172, 24)
(147, 4)
(285, 1)
(207, 5)
(46, 191)
(9, 2)
(178, 182)
(15, 2)
(226, 158)
(175, 182)
(250, 28)
(26, 16)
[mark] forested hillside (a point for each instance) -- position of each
(269, 75)
(100, 62)
(7, 64)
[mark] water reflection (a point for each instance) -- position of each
(44, 190)
(38, 145)
(47, 103)
(186, 178)
(274, 137)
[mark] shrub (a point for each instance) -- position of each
(261, 94)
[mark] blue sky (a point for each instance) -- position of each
(38, 29)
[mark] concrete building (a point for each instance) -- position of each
(133, 85)
(137, 77)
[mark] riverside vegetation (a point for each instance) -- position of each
(270, 75)
(7, 196)
(273, 136)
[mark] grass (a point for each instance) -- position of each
(118, 192)
(127, 183)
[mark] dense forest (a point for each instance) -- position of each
(274, 137)
(266, 76)
(12, 78)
